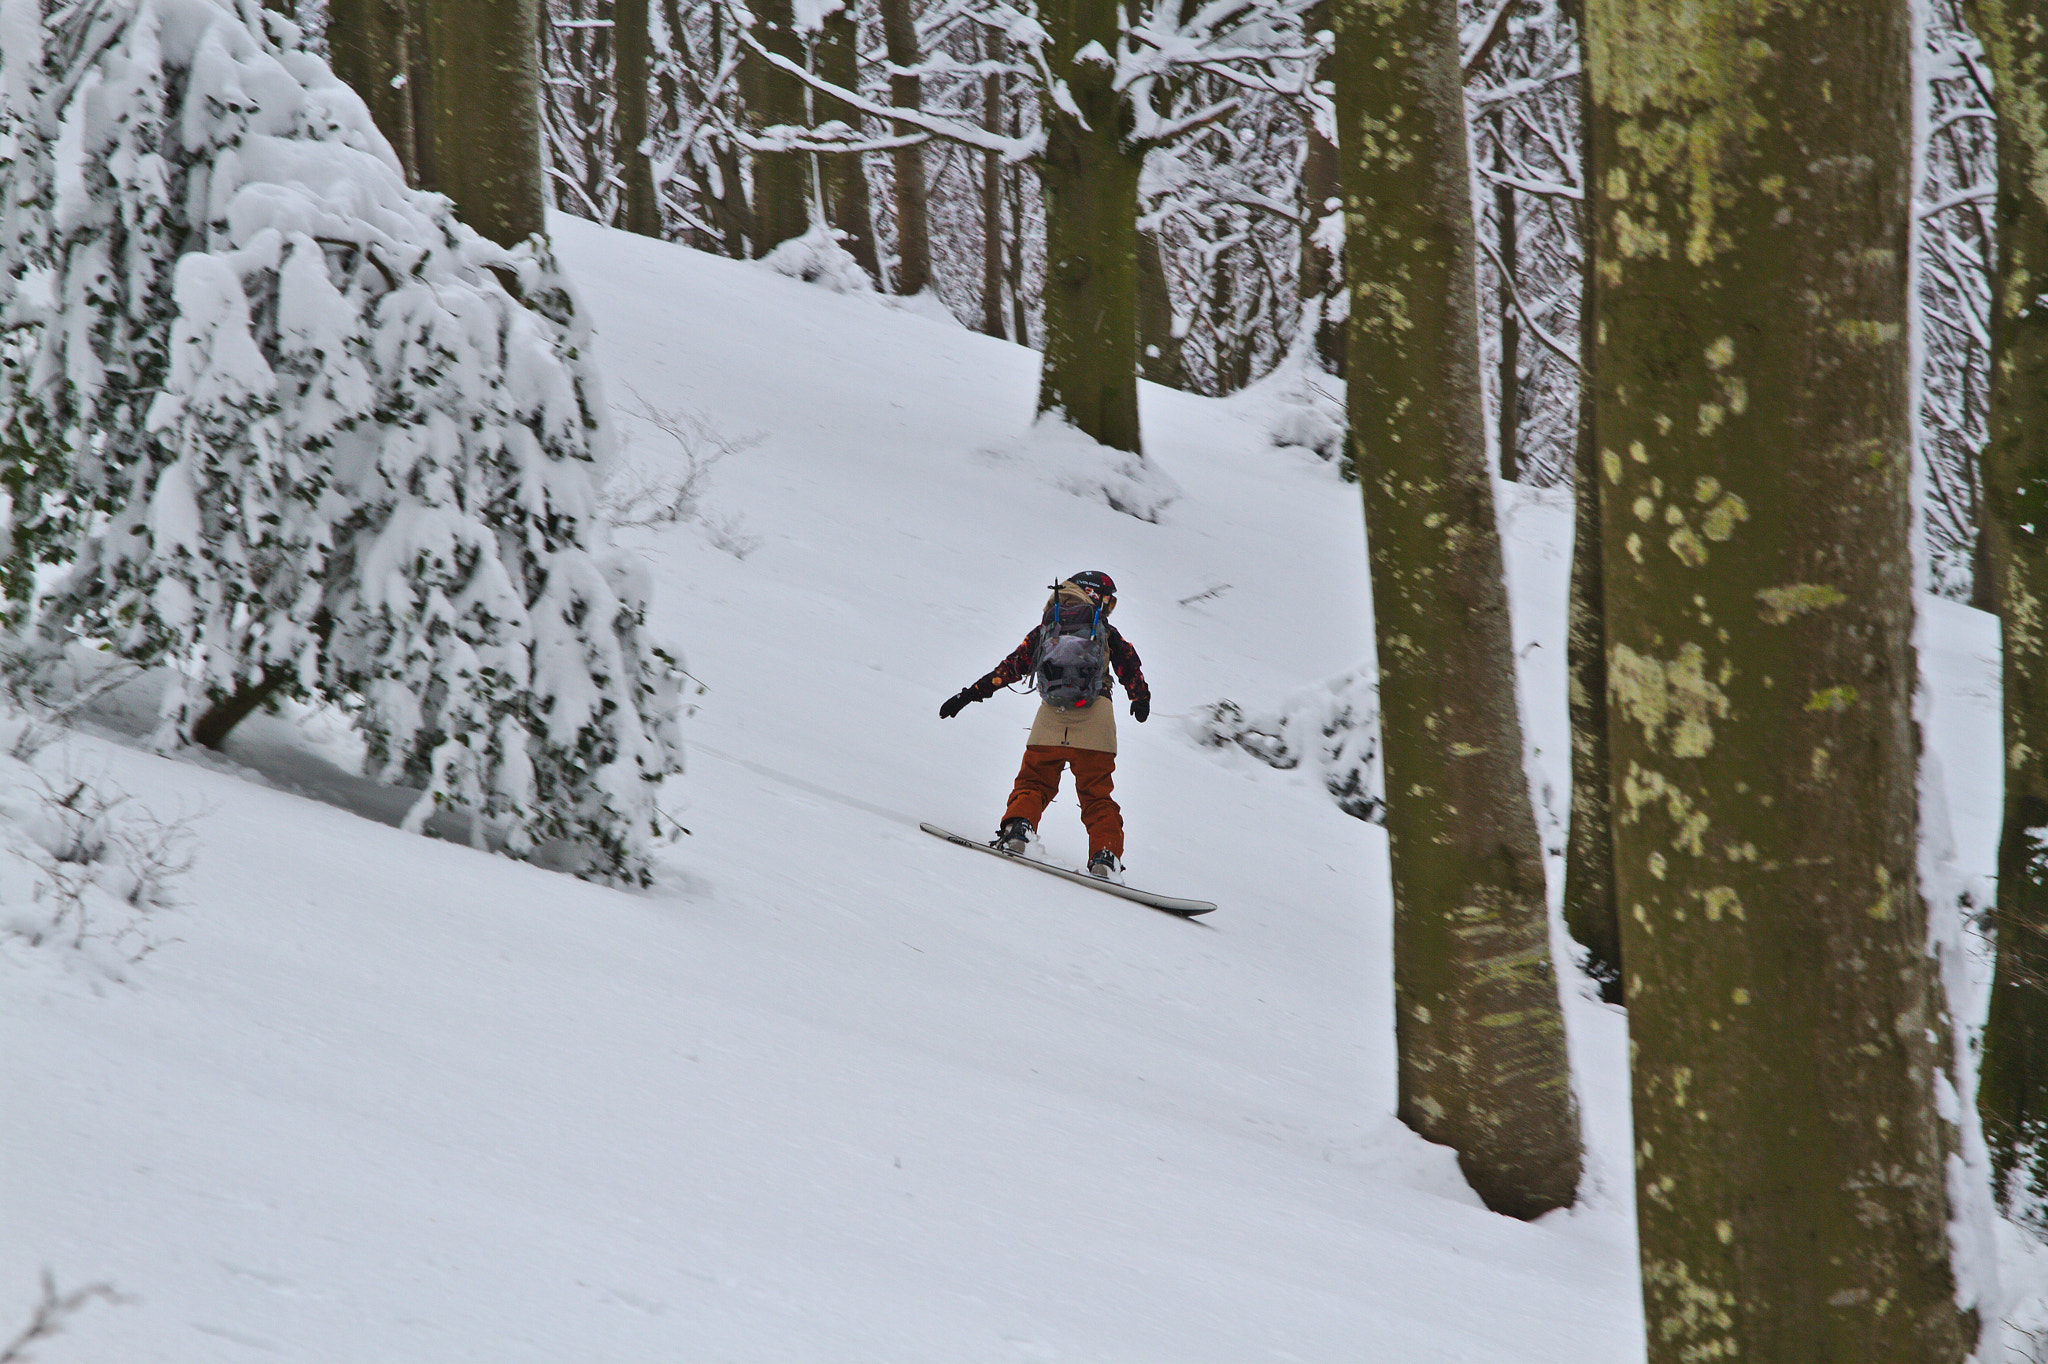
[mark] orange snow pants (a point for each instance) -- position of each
(1038, 781)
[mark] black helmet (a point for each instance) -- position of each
(1096, 581)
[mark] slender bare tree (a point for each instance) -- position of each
(2012, 1092)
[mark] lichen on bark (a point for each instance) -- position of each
(1479, 1030)
(1750, 397)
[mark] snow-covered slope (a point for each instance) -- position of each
(834, 1090)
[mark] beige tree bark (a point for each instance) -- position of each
(1479, 1027)
(486, 113)
(1751, 371)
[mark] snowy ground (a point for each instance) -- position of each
(834, 1090)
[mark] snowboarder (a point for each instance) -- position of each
(1068, 657)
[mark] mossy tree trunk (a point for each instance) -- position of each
(775, 98)
(913, 274)
(1089, 171)
(2012, 1094)
(486, 114)
(1589, 909)
(633, 60)
(368, 43)
(1479, 1029)
(1751, 374)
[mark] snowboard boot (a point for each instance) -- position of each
(1105, 865)
(1013, 837)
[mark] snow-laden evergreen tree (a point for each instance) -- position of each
(286, 424)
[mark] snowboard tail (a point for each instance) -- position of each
(1187, 909)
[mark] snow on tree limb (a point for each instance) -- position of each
(934, 125)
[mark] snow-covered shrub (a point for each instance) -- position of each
(1073, 462)
(289, 424)
(1300, 406)
(818, 258)
(50, 1314)
(82, 864)
(51, 691)
(638, 497)
(1333, 727)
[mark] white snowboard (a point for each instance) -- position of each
(1187, 909)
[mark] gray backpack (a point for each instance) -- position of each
(1070, 663)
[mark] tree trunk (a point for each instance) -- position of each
(1159, 347)
(211, 730)
(1589, 909)
(486, 122)
(2012, 1093)
(580, 41)
(419, 84)
(1508, 373)
(1753, 421)
(633, 56)
(1013, 249)
(992, 195)
(845, 182)
(1320, 280)
(723, 193)
(1478, 1026)
(1089, 175)
(1590, 913)
(1322, 283)
(774, 98)
(1089, 373)
(913, 229)
(368, 48)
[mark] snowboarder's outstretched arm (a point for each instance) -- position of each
(1131, 673)
(1122, 657)
(1012, 669)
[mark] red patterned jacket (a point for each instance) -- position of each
(1017, 668)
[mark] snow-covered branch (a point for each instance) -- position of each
(1013, 149)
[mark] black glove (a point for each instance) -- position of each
(1141, 707)
(956, 703)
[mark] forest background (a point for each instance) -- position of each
(1156, 191)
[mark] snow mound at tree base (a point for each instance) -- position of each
(1073, 462)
